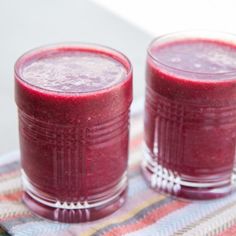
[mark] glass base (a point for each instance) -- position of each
(74, 212)
(167, 181)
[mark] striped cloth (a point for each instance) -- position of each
(145, 212)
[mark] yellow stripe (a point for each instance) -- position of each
(124, 217)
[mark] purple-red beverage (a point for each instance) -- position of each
(190, 114)
(73, 105)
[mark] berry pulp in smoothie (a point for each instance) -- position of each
(190, 117)
(73, 105)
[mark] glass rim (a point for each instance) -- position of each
(201, 34)
(79, 46)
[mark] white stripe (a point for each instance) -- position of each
(136, 186)
(10, 185)
(137, 106)
(136, 128)
(9, 157)
(177, 220)
(135, 157)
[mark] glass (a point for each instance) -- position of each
(190, 114)
(74, 145)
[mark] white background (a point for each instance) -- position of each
(164, 16)
(126, 25)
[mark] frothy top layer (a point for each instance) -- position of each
(197, 56)
(73, 71)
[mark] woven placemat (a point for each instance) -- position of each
(145, 213)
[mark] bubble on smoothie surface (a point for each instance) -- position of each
(74, 72)
(201, 56)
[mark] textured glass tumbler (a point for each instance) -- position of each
(190, 114)
(74, 145)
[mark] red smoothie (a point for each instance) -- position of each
(73, 105)
(190, 116)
